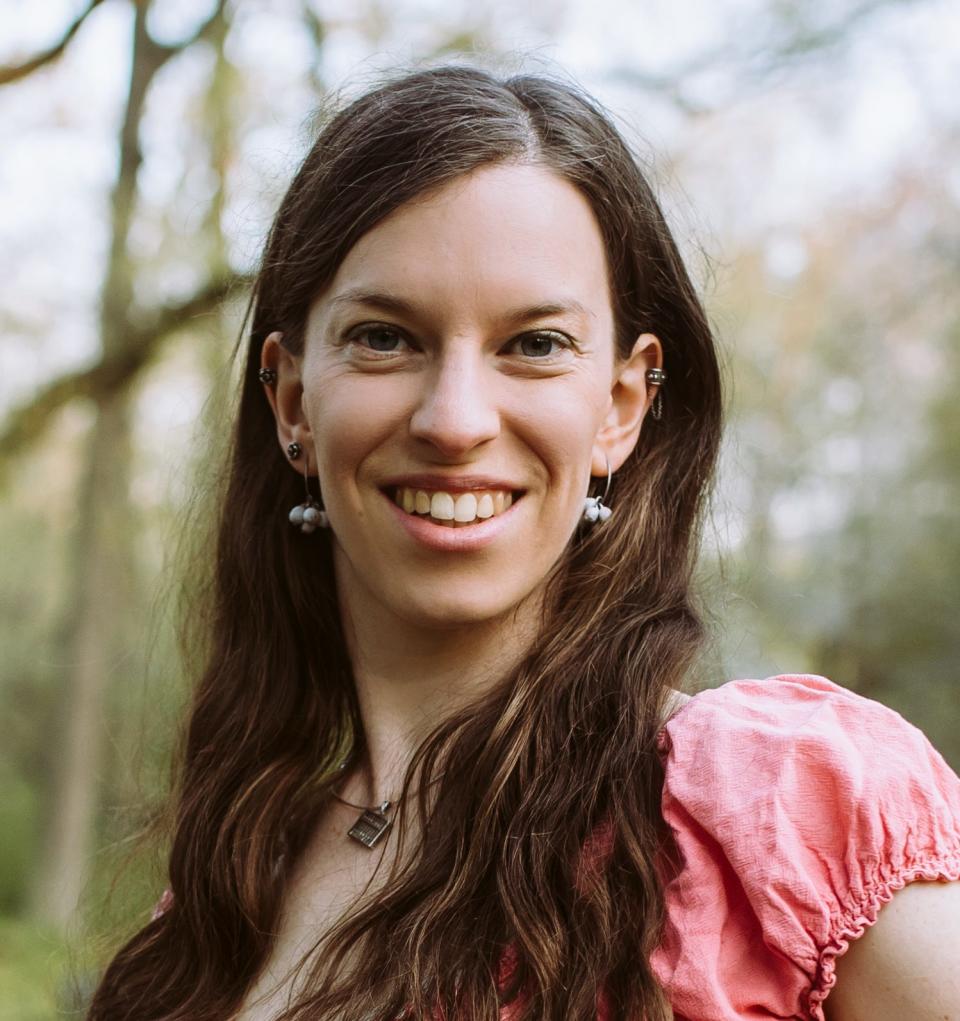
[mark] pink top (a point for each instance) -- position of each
(799, 808)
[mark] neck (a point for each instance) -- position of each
(409, 677)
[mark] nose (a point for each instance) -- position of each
(457, 409)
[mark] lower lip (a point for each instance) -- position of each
(453, 540)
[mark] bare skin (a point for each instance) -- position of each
(907, 965)
(334, 873)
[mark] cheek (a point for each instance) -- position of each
(348, 419)
(561, 424)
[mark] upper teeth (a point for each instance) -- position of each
(460, 508)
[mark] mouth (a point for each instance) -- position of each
(453, 509)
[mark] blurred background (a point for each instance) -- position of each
(808, 155)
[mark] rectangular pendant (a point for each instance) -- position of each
(369, 828)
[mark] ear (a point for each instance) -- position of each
(286, 396)
(630, 399)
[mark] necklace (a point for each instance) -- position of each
(372, 824)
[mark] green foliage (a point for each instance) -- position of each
(34, 975)
(847, 444)
(19, 817)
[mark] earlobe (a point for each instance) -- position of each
(286, 392)
(630, 398)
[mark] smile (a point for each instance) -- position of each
(453, 509)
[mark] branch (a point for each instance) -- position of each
(14, 72)
(164, 53)
(26, 423)
(756, 64)
(318, 29)
(814, 38)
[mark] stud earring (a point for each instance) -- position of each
(309, 515)
(594, 509)
(656, 377)
(268, 376)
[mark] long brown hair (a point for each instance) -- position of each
(497, 904)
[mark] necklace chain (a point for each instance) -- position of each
(380, 807)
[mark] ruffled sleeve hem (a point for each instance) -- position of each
(855, 921)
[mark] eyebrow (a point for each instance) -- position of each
(515, 317)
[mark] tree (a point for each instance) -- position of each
(103, 580)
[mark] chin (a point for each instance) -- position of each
(453, 610)
(380, 590)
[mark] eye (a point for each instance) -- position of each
(377, 338)
(538, 345)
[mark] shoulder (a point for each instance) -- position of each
(814, 767)
(798, 808)
(798, 732)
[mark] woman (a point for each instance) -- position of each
(440, 764)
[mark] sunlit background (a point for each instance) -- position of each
(808, 155)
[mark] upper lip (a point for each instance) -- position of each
(450, 483)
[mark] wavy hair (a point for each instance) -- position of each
(500, 903)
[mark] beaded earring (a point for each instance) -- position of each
(594, 509)
(309, 515)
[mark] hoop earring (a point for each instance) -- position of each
(594, 508)
(309, 515)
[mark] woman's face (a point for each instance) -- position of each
(459, 385)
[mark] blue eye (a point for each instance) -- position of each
(538, 345)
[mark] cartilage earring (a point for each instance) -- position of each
(594, 509)
(656, 377)
(309, 515)
(268, 376)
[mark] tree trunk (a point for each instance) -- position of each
(99, 606)
(99, 609)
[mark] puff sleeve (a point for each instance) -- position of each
(798, 809)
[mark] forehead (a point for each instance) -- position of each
(499, 236)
